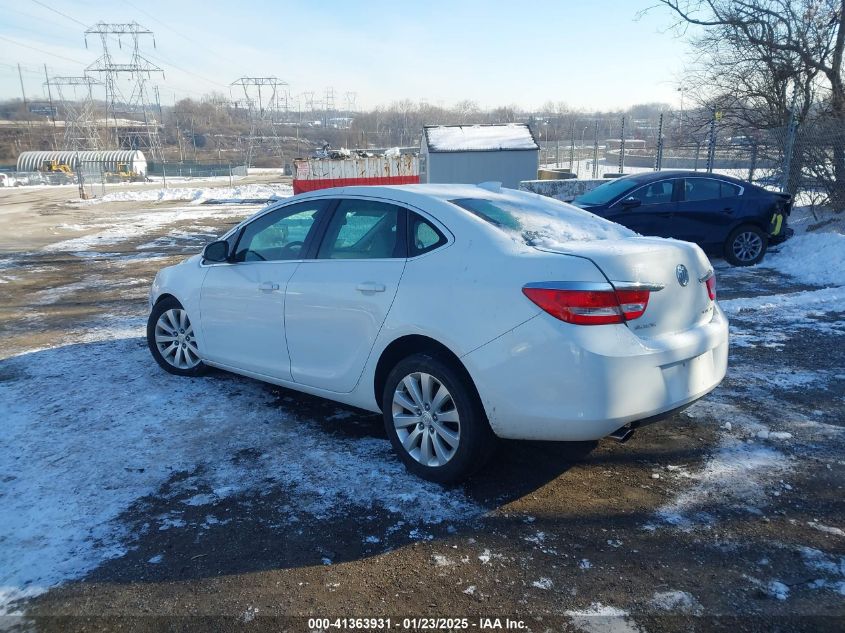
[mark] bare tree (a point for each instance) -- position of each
(762, 61)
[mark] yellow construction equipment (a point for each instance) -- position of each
(57, 173)
(123, 174)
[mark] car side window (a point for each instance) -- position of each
(363, 229)
(279, 235)
(654, 193)
(729, 190)
(700, 189)
(424, 236)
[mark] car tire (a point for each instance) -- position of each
(746, 246)
(170, 337)
(435, 420)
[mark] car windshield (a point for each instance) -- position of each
(541, 221)
(606, 192)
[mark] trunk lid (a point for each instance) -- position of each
(654, 261)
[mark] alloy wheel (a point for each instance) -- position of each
(426, 419)
(174, 338)
(747, 246)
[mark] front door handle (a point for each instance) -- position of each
(664, 214)
(370, 287)
(268, 286)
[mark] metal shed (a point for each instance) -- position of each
(91, 160)
(506, 153)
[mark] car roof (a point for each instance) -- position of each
(434, 199)
(651, 176)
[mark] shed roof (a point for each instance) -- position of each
(479, 138)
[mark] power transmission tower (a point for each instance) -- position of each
(351, 97)
(262, 96)
(329, 105)
(81, 130)
(309, 105)
(139, 71)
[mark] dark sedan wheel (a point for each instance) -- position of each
(746, 246)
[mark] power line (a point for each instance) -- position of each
(183, 36)
(150, 55)
(40, 50)
(56, 11)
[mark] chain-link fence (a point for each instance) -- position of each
(92, 177)
(806, 160)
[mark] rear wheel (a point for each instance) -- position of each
(171, 339)
(434, 419)
(746, 246)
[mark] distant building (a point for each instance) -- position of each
(87, 161)
(470, 154)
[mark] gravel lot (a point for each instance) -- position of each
(129, 494)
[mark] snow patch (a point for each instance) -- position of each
(676, 600)
(737, 475)
(197, 195)
(600, 618)
(73, 460)
(543, 583)
(812, 258)
(121, 228)
(442, 561)
(796, 304)
(826, 529)
(777, 590)
(455, 138)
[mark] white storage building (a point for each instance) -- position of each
(470, 154)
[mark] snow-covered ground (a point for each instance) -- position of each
(755, 459)
(196, 195)
(113, 228)
(813, 257)
(91, 426)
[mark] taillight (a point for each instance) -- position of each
(590, 307)
(711, 287)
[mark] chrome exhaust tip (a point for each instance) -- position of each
(622, 434)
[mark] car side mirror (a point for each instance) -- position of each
(631, 203)
(216, 252)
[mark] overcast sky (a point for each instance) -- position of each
(589, 54)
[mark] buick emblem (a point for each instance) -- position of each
(682, 274)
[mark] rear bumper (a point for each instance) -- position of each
(784, 234)
(547, 380)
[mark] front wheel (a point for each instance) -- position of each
(171, 339)
(746, 246)
(434, 419)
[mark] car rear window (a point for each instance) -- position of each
(541, 221)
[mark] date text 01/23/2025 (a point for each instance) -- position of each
(417, 624)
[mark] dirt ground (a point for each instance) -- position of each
(726, 517)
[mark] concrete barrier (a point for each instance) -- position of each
(564, 190)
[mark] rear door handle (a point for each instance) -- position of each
(664, 214)
(370, 287)
(268, 286)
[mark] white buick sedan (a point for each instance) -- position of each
(463, 313)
